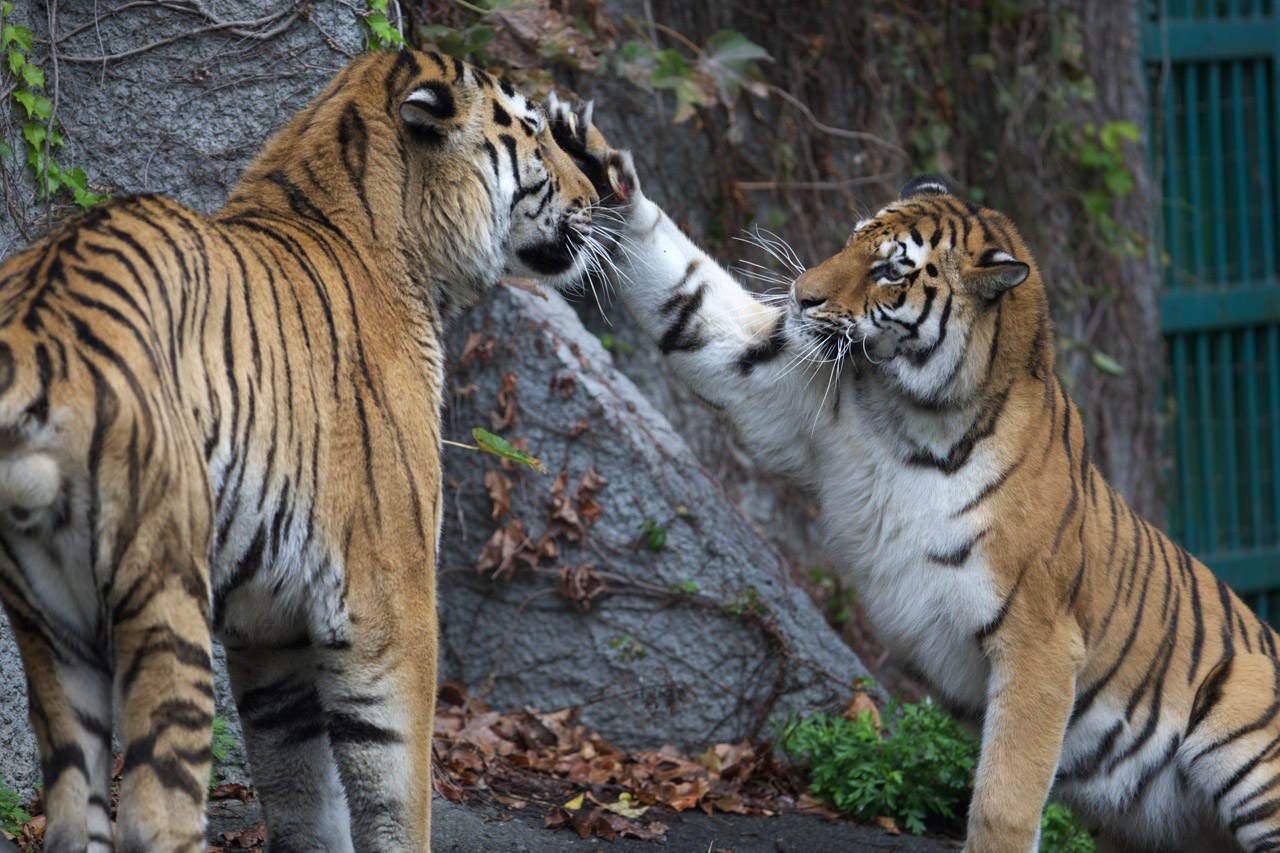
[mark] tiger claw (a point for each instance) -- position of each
(573, 123)
(615, 182)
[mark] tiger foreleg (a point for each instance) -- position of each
(1028, 704)
(164, 678)
(1232, 748)
(294, 772)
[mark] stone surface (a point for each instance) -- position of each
(736, 643)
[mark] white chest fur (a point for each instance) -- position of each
(897, 532)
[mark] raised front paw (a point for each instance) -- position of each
(610, 170)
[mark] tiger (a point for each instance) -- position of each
(909, 382)
(229, 424)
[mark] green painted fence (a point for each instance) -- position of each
(1214, 79)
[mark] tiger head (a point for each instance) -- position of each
(917, 292)
(436, 165)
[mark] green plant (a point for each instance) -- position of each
(655, 535)
(837, 599)
(916, 769)
(627, 650)
(383, 35)
(487, 442)
(12, 814)
(714, 73)
(1062, 832)
(613, 344)
(220, 749)
(40, 130)
(747, 603)
(684, 588)
(919, 768)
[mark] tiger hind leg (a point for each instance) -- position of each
(1232, 748)
(70, 711)
(379, 700)
(294, 772)
(164, 678)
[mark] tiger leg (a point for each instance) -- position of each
(294, 772)
(164, 678)
(70, 710)
(1028, 703)
(379, 701)
(1232, 748)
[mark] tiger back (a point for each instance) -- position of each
(909, 381)
(231, 423)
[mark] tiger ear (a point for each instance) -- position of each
(431, 112)
(923, 185)
(995, 273)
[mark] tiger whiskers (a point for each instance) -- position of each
(775, 246)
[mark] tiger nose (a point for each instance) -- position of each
(805, 299)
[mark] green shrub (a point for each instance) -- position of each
(1062, 832)
(921, 768)
(12, 814)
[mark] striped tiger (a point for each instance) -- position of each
(909, 381)
(231, 423)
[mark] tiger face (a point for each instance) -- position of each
(482, 188)
(913, 285)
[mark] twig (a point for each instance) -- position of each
(836, 131)
(53, 114)
(813, 185)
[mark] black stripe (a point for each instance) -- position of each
(678, 337)
(767, 350)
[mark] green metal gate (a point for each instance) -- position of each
(1214, 79)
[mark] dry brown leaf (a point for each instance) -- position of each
(523, 284)
(861, 703)
(888, 824)
(499, 491)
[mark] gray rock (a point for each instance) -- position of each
(646, 664)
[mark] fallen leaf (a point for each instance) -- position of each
(575, 803)
(523, 284)
(888, 824)
(625, 807)
(580, 585)
(499, 491)
(232, 791)
(254, 836)
(860, 703)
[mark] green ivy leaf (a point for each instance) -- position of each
(27, 100)
(44, 107)
(499, 446)
(1114, 131)
(21, 35)
(6, 152)
(1119, 180)
(16, 60)
(33, 75)
(1106, 364)
(35, 132)
(386, 34)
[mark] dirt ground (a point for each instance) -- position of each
(462, 829)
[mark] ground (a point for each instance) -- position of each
(481, 829)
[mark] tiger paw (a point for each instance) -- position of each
(610, 170)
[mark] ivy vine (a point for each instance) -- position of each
(41, 133)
